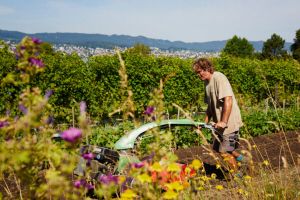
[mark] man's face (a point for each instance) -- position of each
(203, 75)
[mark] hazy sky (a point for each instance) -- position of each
(184, 20)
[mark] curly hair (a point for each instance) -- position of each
(203, 64)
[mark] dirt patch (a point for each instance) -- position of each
(279, 149)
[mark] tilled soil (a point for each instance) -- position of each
(279, 149)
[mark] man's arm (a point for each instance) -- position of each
(227, 106)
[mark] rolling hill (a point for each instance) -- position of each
(111, 41)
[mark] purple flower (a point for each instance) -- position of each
(48, 94)
(138, 165)
(149, 110)
(80, 183)
(82, 107)
(3, 123)
(17, 56)
(36, 40)
(89, 186)
(50, 120)
(23, 47)
(83, 183)
(88, 156)
(107, 179)
(71, 135)
(36, 62)
(23, 109)
(77, 183)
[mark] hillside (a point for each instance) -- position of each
(110, 41)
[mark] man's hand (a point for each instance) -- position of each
(221, 125)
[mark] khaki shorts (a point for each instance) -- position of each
(228, 143)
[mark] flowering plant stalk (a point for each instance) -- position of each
(30, 160)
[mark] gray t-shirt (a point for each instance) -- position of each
(216, 89)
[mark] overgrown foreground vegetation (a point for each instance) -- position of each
(33, 166)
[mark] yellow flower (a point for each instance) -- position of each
(156, 167)
(205, 178)
(175, 186)
(226, 158)
(128, 194)
(201, 183)
(170, 194)
(196, 164)
(200, 188)
(144, 178)
(213, 176)
(247, 177)
(219, 187)
(254, 146)
(266, 163)
(121, 179)
(173, 167)
(186, 184)
(218, 166)
(241, 191)
(187, 170)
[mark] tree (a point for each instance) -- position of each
(273, 48)
(295, 48)
(140, 48)
(238, 47)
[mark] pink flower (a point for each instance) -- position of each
(71, 135)
(36, 40)
(88, 156)
(138, 165)
(3, 123)
(36, 62)
(149, 110)
(89, 186)
(78, 183)
(83, 183)
(107, 179)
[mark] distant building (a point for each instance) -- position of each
(86, 52)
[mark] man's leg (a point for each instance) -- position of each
(234, 142)
(222, 146)
(231, 160)
(233, 157)
(236, 154)
(228, 146)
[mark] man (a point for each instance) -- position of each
(222, 110)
